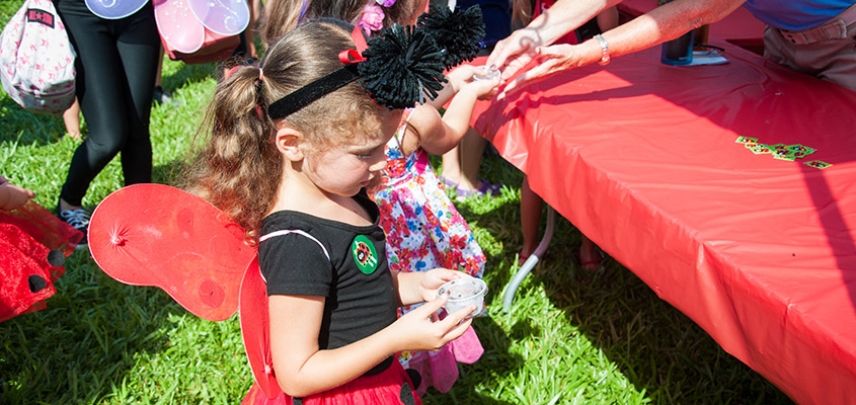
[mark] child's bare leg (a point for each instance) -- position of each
(472, 148)
(461, 164)
(590, 255)
(452, 166)
(71, 119)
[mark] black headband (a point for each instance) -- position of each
(306, 95)
(400, 65)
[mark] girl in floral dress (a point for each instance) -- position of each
(423, 228)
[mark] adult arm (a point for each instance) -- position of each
(515, 52)
(662, 24)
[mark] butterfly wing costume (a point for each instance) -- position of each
(161, 236)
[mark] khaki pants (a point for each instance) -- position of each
(827, 51)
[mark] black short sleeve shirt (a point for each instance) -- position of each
(300, 254)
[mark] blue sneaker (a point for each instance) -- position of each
(78, 219)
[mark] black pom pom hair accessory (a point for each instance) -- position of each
(398, 67)
(459, 32)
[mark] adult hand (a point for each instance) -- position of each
(515, 52)
(550, 60)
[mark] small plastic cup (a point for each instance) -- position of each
(490, 73)
(462, 293)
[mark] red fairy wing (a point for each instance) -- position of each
(255, 329)
(157, 235)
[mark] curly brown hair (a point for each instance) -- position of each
(238, 168)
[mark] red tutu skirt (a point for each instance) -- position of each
(390, 387)
(33, 246)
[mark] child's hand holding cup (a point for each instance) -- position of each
(464, 292)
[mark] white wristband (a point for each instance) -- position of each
(604, 48)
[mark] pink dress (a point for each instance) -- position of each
(424, 231)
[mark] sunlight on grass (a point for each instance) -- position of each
(573, 337)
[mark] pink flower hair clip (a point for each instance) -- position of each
(372, 17)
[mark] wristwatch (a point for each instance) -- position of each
(604, 48)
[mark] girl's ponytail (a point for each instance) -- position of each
(237, 170)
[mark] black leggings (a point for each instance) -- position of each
(116, 67)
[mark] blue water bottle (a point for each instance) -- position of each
(679, 51)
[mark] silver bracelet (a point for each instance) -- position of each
(604, 47)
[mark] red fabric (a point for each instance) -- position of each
(27, 235)
(42, 225)
(21, 259)
(380, 389)
(191, 250)
(255, 329)
(760, 252)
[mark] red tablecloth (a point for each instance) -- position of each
(760, 252)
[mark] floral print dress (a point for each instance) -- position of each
(424, 231)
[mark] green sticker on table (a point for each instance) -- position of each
(365, 254)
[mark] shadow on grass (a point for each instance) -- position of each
(189, 74)
(23, 127)
(655, 346)
(80, 348)
(94, 331)
(488, 217)
(495, 360)
(26, 128)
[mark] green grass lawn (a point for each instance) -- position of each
(573, 337)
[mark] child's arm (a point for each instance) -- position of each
(457, 78)
(303, 369)
(417, 287)
(439, 137)
(12, 196)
